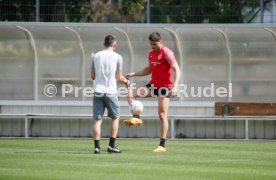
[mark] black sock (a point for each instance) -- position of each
(162, 142)
(136, 116)
(97, 143)
(112, 142)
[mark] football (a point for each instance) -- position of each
(136, 107)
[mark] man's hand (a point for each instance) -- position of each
(174, 91)
(128, 82)
(129, 75)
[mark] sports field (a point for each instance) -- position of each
(73, 159)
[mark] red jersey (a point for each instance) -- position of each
(160, 65)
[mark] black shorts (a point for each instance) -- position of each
(164, 91)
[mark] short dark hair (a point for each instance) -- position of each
(109, 40)
(155, 36)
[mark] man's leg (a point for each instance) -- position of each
(141, 92)
(112, 105)
(113, 132)
(97, 135)
(114, 128)
(97, 129)
(98, 111)
(163, 105)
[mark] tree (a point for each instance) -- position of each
(133, 11)
(204, 11)
(100, 11)
(52, 10)
(14, 10)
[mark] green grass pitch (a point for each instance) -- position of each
(73, 159)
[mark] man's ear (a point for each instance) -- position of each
(114, 45)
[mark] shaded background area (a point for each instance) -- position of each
(33, 55)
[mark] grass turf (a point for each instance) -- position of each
(73, 159)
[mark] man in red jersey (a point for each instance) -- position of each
(161, 65)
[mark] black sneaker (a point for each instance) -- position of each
(113, 149)
(97, 151)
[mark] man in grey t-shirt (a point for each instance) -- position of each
(106, 69)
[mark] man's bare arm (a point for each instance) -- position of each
(121, 78)
(143, 72)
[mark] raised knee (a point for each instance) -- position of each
(162, 116)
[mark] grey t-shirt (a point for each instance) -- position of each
(106, 63)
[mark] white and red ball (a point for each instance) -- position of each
(136, 107)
